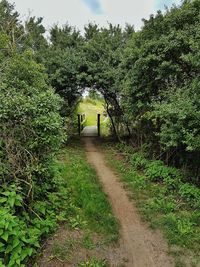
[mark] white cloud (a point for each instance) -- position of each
(77, 13)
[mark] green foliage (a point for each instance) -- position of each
(23, 225)
(160, 94)
(163, 205)
(179, 115)
(16, 239)
(163, 197)
(191, 194)
(138, 161)
(94, 95)
(30, 122)
(178, 228)
(156, 171)
(65, 63)
(21, 231)
(88, 242)
(34, 37)
(10, 26)
(31, 133)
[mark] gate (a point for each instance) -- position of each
(87, 129)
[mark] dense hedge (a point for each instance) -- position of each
(31, 133)
(162, 85)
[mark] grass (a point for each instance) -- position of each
(93, 262)
(159, 201)
(93, 208)
(88, 211)
(63, 251)
(87, 241)
(92, 107)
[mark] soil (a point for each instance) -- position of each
(139, 246)
(75, 252)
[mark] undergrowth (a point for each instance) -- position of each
(162, 195)
(74, 197)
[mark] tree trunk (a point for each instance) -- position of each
(111, 119)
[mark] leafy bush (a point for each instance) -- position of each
(31, 133)
(191, 194)
(22, 226)
(138, 161)
(17, 240)
(156, 171)
(31, 128)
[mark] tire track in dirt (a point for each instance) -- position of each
(139, 245)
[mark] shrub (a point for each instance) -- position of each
(22, 226)
(138, 161)
(156, 171)
(31, 127)
(191, 194)
(31, 133)
(17, 240)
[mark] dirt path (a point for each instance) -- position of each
(140, 245)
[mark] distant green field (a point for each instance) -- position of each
(91, 107)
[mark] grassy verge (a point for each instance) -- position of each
(92, 207)
(87, 223)
(163, 198)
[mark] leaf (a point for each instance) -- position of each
(3, 199)
(2, 244)
(5, 236)
(11, 201)
(26, 252)
(16, 242)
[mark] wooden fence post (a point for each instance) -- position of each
(99, 124)
(79, 124)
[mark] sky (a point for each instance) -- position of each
(80, 12)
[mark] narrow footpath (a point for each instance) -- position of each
(139, 245)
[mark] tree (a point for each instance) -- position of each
(34, 36)
(31, 128)
(10, 25)
(103, 50)
(64, 62)
(161, 84)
